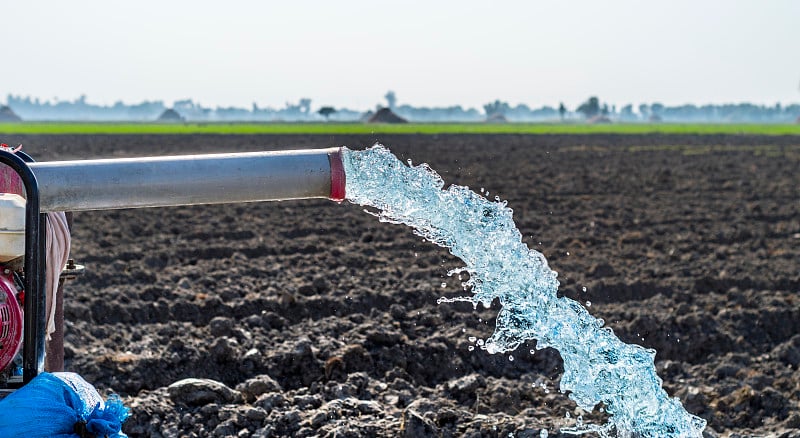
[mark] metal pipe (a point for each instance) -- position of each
(189, 179)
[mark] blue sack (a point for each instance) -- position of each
(61, 405)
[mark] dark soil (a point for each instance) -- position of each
(321, 321)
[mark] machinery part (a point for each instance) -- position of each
(12, 226)
(189, 179)
(33, 316)
(72, 270)
(10, 321)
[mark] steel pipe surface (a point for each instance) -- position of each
(189, 179)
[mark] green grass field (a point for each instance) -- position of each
(411, 128)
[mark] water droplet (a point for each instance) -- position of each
(471, 348)
(567, 252)
(444, 284)
(480, 342)
(543, 433)
(588, 303)
(583, 289)
(472, 339)
(532, 351)
(511, 358)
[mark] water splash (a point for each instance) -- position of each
(598, 367)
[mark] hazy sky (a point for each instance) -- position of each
(349, 53)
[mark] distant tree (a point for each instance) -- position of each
(626, 112)
(497, 107)
(326, 111)
(644, 110)
(605, 110)
(391, 99)
(590, 108)
(305, 105)
(562, 110)
(657, 109)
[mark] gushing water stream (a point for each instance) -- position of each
(598, 367)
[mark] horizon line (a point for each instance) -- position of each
(83, 99)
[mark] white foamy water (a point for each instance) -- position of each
(598, 367)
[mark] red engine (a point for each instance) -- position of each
(10, 320)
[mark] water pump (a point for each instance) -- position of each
(29, 190)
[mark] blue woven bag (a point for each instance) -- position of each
(61, 405)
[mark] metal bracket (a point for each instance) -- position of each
(72, 270)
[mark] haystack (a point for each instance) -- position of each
(497, 118)
(170, 115)
(599, 120)
(366, 116)
(385, 115)
(8, 115)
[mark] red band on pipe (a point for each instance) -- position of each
(338, 178)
